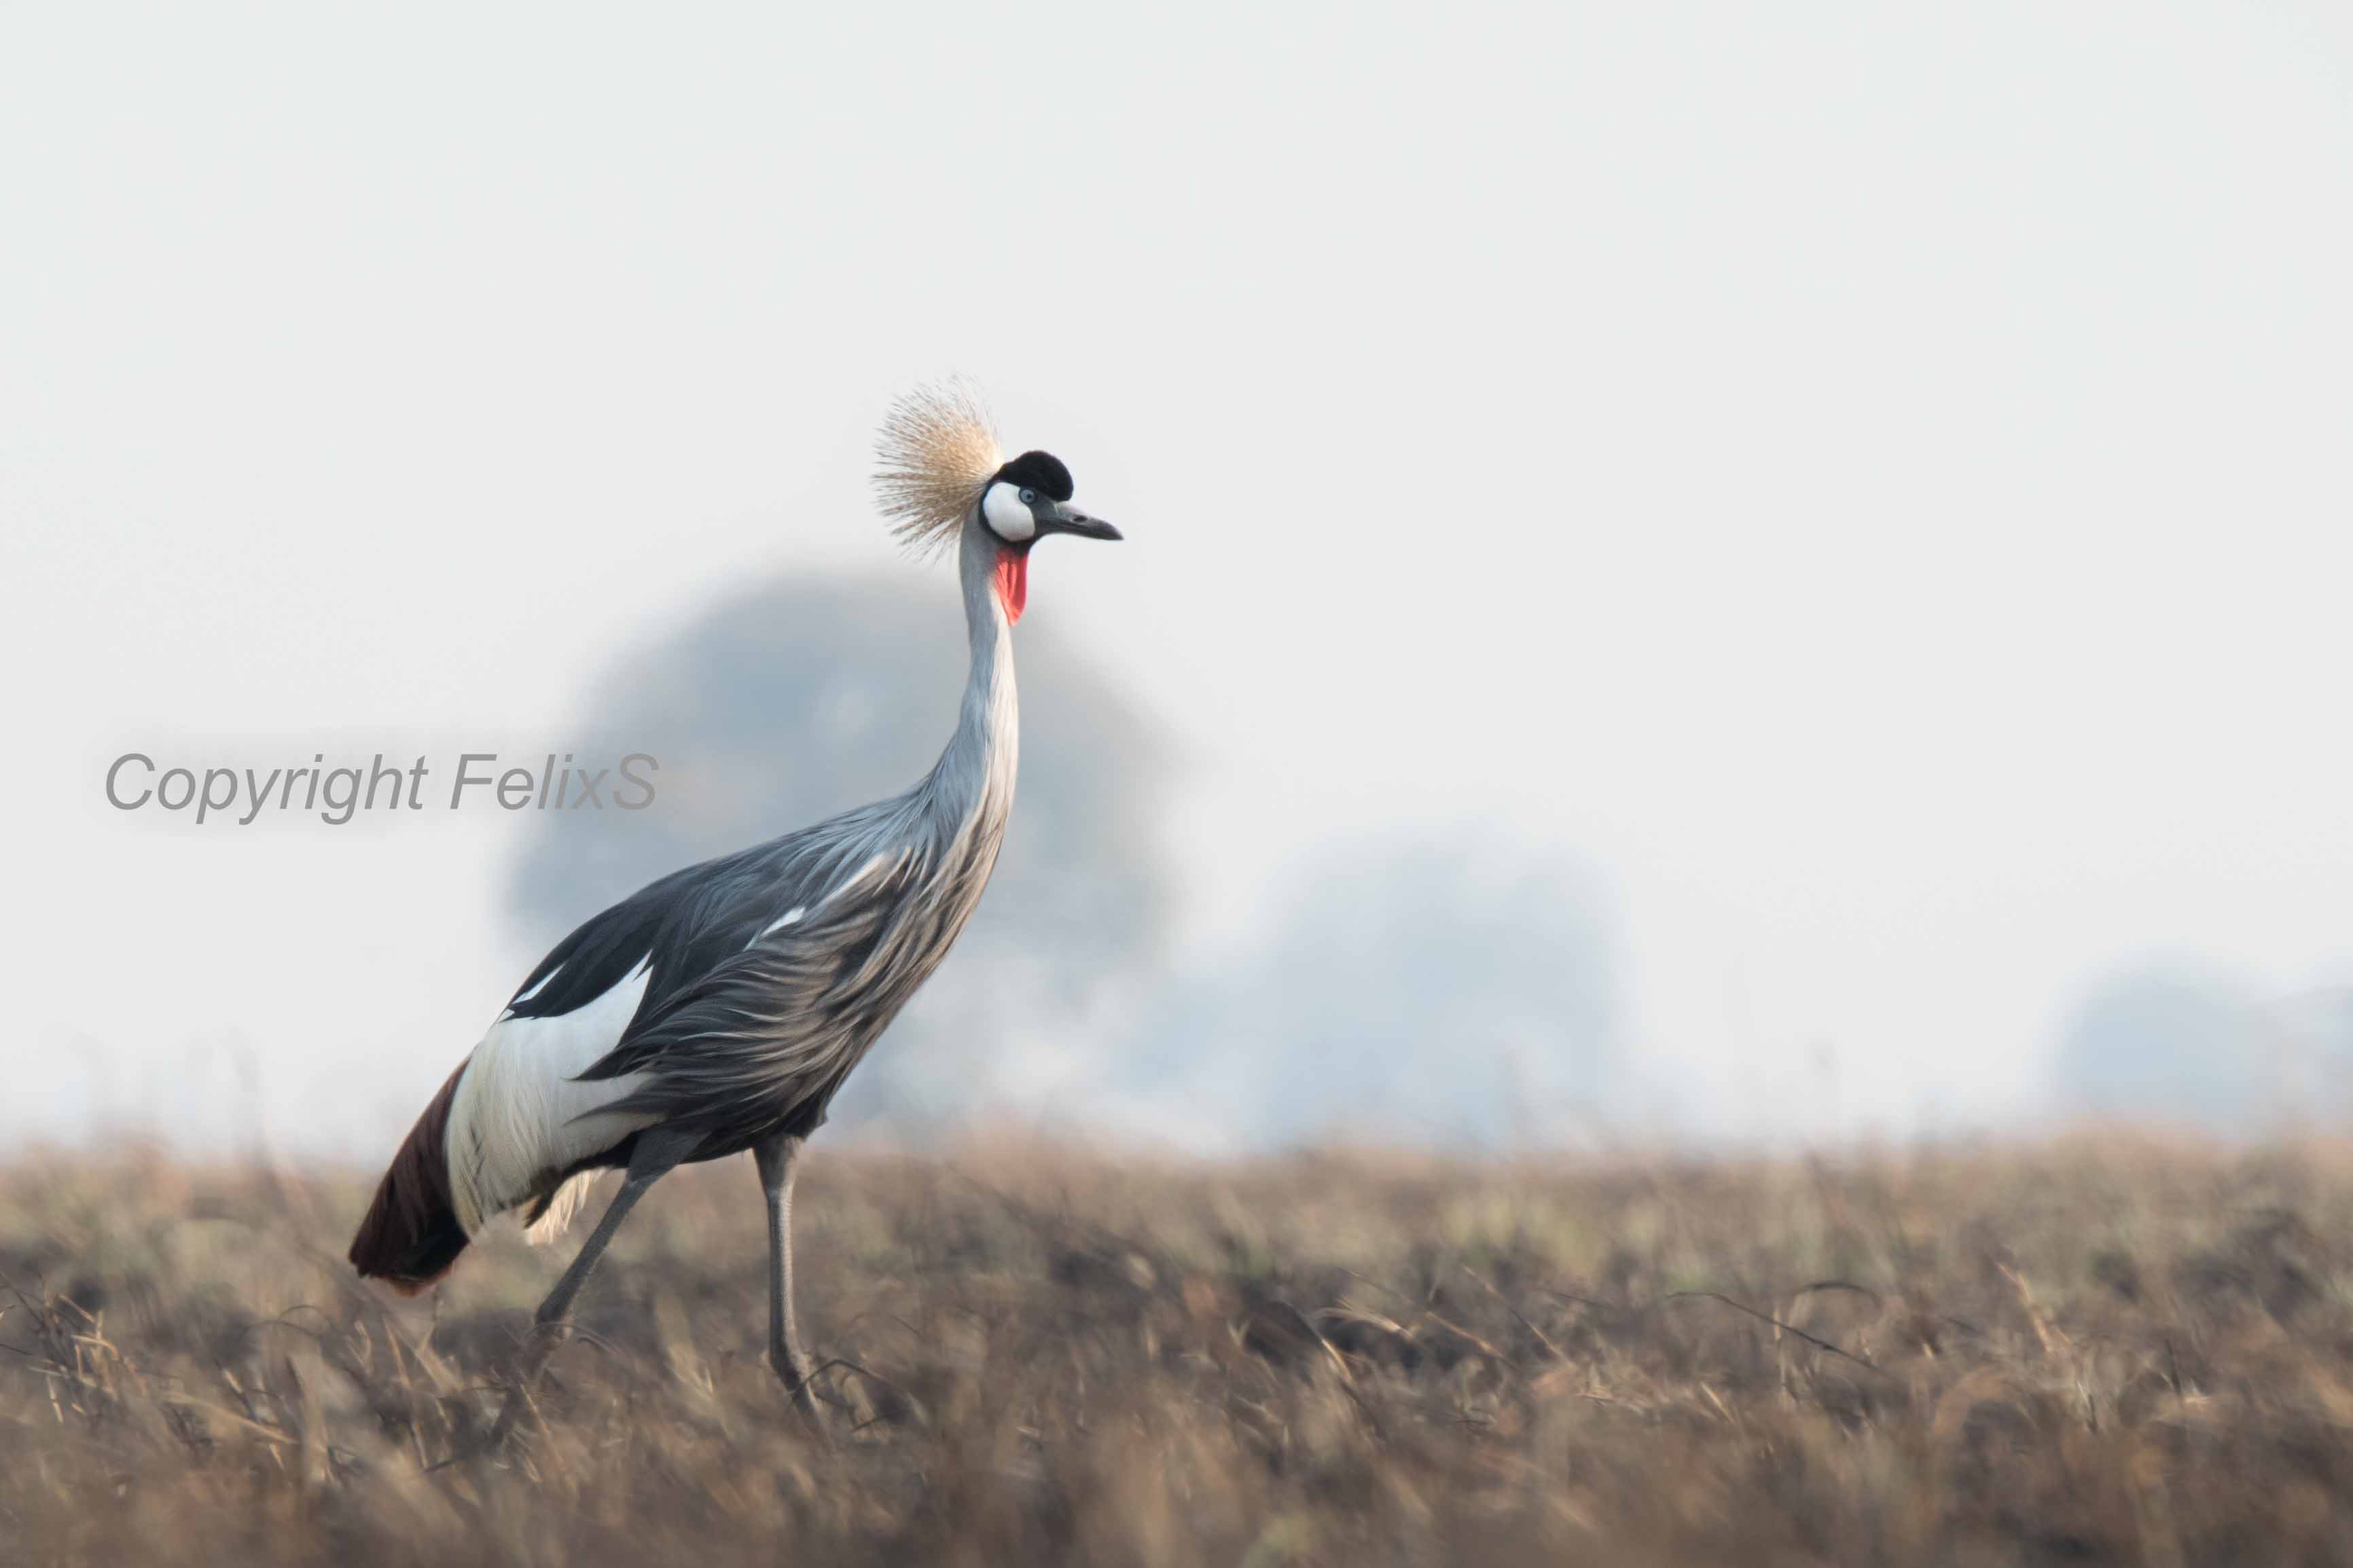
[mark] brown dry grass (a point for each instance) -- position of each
(2099, 1351)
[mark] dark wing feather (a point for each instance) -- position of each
(763, 1038)
(748, 1026)
(681, 926)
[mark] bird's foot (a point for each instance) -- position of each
(520, 1375)
(796, 1375)
(495, 1444)
(501, 1432)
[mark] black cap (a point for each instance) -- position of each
(1040, 471)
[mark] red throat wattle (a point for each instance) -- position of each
(1012, 581)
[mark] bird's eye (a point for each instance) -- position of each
(1028, 498)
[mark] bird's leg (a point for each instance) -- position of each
(656, 1155)
(779, 1158)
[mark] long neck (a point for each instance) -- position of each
(975, 776)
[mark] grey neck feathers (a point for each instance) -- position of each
(973, 784)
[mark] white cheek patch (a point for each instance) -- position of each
(1008, 517)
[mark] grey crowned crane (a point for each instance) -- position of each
(720, 1008)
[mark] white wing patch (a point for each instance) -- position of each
(798, 912)
(855, 878)
(536, 989)
(790, 917)
(514, 1117)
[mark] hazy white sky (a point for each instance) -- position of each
(1872, 481)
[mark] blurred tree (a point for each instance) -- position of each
(1456, 988)
(804, 696)
(2170, 1042)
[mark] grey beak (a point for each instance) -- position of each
(1062, 519)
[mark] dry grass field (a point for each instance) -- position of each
(2103, 1349)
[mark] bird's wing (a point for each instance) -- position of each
(521, 1114)
(778, 1024)
(685, 925)
(554, 1084)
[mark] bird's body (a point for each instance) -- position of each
(720, 1008)
(729, 999)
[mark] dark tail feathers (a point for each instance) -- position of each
(411, 1236)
